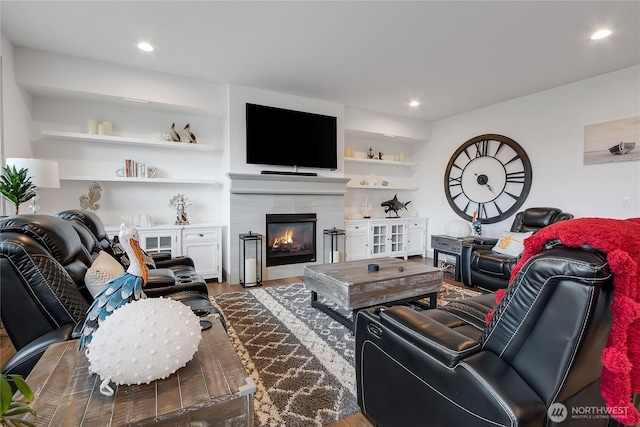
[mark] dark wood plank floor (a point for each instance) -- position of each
(215, 288)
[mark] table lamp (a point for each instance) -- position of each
(43, 174)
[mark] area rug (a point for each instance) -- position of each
(301, 360)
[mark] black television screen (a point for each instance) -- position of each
(276, 136)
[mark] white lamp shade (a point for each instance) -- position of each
(43, 173)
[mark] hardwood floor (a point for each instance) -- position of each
(215, 288)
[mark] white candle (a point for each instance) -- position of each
(250, 271)
(335, 256)
(92, 126)
(106, 127)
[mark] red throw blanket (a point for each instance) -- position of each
(620, 240)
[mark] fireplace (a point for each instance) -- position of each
(290, 239)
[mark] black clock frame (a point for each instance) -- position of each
(480, 147)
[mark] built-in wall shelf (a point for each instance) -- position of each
(375, 162)
(378, 187)
(377, 136)
(142, 180)
(120, 140)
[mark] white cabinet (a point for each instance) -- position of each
(417, 237)
(200, 242)
(388, 237)
(357, 240)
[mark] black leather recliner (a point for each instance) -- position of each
(168, 271)
(43, 299)
(484, 268)
(446, 367)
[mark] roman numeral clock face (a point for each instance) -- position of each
(489, 174)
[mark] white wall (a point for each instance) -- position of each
(549, 125)
(240, 95)
(236, 152)
(16, 118)
(69, 91)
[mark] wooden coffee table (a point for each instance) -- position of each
(213, 389)
(351, 286)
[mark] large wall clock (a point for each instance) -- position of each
(489, 174)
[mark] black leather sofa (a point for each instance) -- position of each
(446, 367)
(484, 268)
(43, 299)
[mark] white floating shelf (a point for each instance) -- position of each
(108, 139)
(379, 162)
(379, 187)
(142, 180)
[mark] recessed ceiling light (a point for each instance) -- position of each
(414, 104)
(600, 34)
(145, 46)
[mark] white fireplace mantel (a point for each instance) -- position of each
(286, 184)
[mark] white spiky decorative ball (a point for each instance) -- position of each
(457, 228)
(143, 341)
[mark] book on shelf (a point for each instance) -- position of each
(134, 169)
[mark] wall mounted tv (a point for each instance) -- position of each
(276, 136)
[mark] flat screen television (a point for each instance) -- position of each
(276, 136)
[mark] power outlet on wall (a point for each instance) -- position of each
(626, 202)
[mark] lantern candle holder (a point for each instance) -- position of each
(250, 271)
(334, 245)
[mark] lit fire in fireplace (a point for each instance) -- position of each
(286, 242)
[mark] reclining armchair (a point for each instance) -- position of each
(43, 297)
(482, 267)
(447, 367)
(164, 271)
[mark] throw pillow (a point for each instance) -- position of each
(103, 269)
(121, 256)
(511, 243)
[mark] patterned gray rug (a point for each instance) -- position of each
(301, 360)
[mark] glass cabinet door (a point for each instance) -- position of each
(160, 242)
(378, 240)
(397, 238)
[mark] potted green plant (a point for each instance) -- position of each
(16, 186)
(11, 409)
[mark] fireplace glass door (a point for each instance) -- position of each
(291, 239)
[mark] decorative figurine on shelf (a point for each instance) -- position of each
(379, 155)
(366, 208)
(121, 289)
(190, 135)
(394, 205)
(476, 225)
(88, 201)
(370, 153)
(174, 134)
(180, 203)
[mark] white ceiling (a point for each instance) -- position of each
(453, 56)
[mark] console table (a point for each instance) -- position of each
(213, 389)
(441, 243)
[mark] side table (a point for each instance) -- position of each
(441, 243)
(213, 389)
